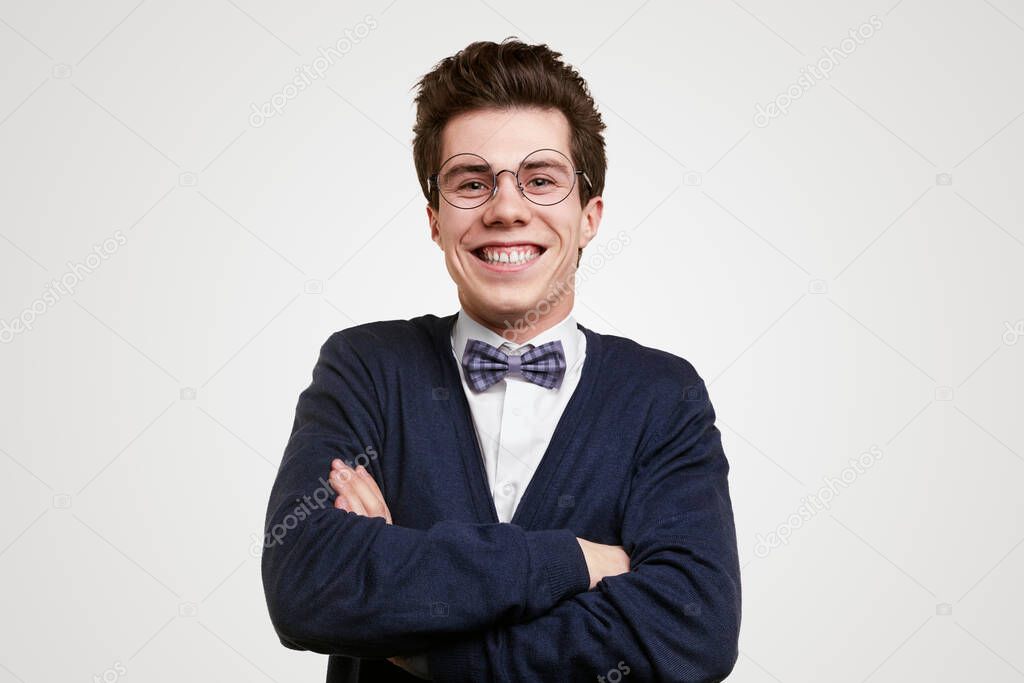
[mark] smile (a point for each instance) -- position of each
(508, 258)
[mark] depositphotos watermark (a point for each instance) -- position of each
(594, 263)
(1013, 332)
(308, 503)
(813, 504)
(812, 73)
(307, 73)
(63, 286)
(111, 674)
(616, 673)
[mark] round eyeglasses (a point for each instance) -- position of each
(545, 177)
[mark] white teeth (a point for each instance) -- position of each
(514, 256)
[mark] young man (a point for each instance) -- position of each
(530, 500)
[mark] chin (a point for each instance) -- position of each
(505, 308)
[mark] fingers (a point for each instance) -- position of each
(345, 483)
(371, 496)
(370, 482)
(376, 503)
(357, 491)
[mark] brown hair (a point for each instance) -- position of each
(486, 75)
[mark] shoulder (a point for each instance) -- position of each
(393, 341)
(659, 373)
(662, 390)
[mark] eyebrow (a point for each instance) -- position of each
(543, 163)
(484, 168)
(468, 168)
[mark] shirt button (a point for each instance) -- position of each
(517, 411)
(508, 489)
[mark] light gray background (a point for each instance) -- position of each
(846, 277)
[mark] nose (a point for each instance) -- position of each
(508, 206)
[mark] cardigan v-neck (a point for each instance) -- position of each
(515, 418)
(635, 461)
(462, 422)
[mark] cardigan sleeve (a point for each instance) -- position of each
(675, 616)
(339, 583)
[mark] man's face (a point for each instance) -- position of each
(501, 295)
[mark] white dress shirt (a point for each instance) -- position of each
(514, 418)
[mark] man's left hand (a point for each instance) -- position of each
(357, 491)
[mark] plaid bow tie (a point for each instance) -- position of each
(485, 365)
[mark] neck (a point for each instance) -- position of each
(520, 326)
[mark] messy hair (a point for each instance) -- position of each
(488, 75)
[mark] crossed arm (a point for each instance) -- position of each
(523, 603)
(359, 493)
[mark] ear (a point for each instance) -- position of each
(590, 219)
(435, 232)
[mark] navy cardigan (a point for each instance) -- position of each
(635, 460)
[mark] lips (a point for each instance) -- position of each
(510, 254)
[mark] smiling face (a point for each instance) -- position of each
(514, 262)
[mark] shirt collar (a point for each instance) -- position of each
(466, 328)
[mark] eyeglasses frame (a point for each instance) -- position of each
(432, 179)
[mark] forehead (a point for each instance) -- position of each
(505, 136)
